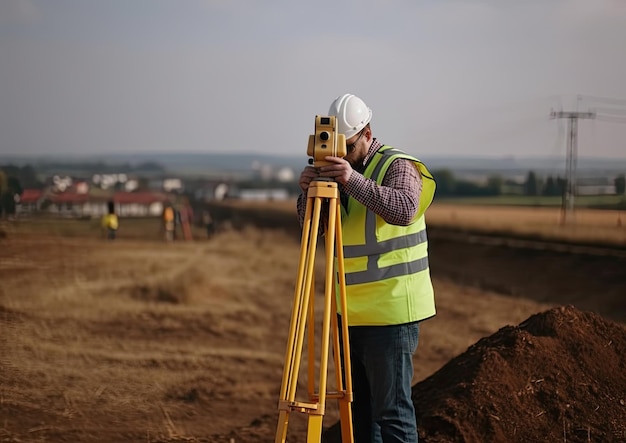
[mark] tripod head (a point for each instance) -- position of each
(326, 141)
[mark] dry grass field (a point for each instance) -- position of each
(585, 226)
(607, 227)
(138, 340)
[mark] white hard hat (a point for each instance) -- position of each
(352, 114)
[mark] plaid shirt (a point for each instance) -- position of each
(396, 201)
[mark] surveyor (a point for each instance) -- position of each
(169, 222)
(110, 222)
(384, 194)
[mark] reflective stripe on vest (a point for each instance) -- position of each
(373, 253)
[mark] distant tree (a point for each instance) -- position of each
(465, 188)
(14, 186)
(148, 167)
(494, 185)
(7, 198)
(531, 185)
(4, 188)
(7, 202)
(620, 184)
(445, 182)
(10, 187)
(26, 175)
(3, 182)
(550, 188)
(560, 185)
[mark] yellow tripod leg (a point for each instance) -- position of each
(303, 311)
(281, 430)
(314, 429)
(298, 319)
(345, 384)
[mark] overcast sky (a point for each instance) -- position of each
(442, 77)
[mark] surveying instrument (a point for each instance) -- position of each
(325, 142)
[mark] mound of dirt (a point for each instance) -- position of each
(558, 376)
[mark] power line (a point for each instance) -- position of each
(611, 119)
(608, 100)
(611, 111)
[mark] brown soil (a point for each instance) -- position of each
(558, 376)
(141, 341)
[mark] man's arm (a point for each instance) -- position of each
(397, 199)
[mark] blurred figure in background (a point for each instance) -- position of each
(207, 221)
(169, 222)
(110, 222)
(186, 219)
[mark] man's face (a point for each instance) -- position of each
(357, 145)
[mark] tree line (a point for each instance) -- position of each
(449, 186)
(13, 180)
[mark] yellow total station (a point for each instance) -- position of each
(326, 140)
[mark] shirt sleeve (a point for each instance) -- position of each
(396, 200)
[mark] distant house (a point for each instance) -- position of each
(30, 201)
(263, 194)
(595, 186)
(127, 204)
(211, 190)
(73, 204)
(173, 185)
(596, 190)
(139, 204)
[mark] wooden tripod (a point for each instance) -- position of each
(319, 191)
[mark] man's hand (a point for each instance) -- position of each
(307, 175)
(339, 169)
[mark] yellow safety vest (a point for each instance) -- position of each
(110, 221)
(386, 266)
(168, 214)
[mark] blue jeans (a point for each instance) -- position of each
(382, 372)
